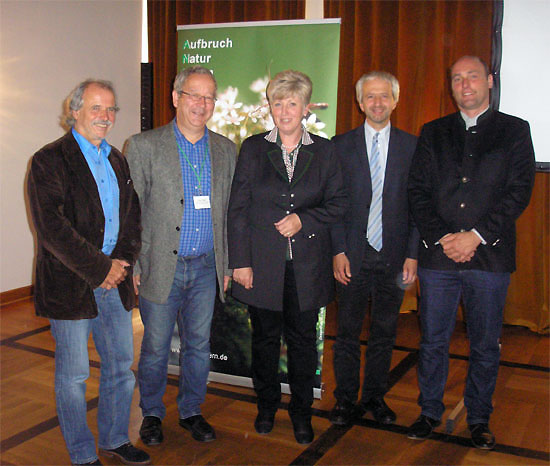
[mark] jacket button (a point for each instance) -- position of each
(177, 228)
(175, 252)
(465, 179)
(462, 230)
(288, 212)
(292, 195)
(462, 205)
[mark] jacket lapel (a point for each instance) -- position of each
(393, 164)
(361, 153)
(78, 165)
(361, 148)
(170, 166)
(275, 156)
(305, 156)
(217, 171)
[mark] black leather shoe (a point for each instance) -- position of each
(379, 409)
(342, 413)
(482, 437)
(303, 432)
(151, 430)
(264, 422)
(128, 454)
(199, 428)
(422, 428)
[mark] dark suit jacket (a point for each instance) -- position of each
(69, 221)
(481, 178)
(260, 196)
(399, 236)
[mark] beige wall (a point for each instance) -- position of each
(46, 48)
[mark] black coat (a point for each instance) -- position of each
(260, 196)
(481, 178)
(399, 236)
(69, 221)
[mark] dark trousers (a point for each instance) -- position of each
(376, 281)
(483, 295)
(299, 329)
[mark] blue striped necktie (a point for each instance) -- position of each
(374, 229)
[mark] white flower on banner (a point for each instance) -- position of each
(314, 125)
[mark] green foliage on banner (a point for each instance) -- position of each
(243, 59)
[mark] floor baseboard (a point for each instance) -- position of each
(17, 294)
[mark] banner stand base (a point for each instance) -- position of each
(242, 381)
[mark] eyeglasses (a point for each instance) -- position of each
(197, 98)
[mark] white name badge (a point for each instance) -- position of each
(201, 202)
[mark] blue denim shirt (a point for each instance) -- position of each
(107, 185)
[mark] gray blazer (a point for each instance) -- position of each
(156, 171)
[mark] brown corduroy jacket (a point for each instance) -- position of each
(68, 217)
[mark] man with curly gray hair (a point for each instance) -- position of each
(87, 219)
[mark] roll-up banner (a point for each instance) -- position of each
(243, 56)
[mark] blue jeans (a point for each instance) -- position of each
(191, 305)
(483, 295)
(113, 338)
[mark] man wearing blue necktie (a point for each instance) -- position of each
(374, 248)
(87, 219)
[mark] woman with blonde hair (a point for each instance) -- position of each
(286, 192)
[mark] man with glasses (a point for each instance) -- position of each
(182, 174)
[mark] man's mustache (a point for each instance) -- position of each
(103, 122)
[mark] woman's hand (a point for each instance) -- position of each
(243, 276)
(288, 226)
